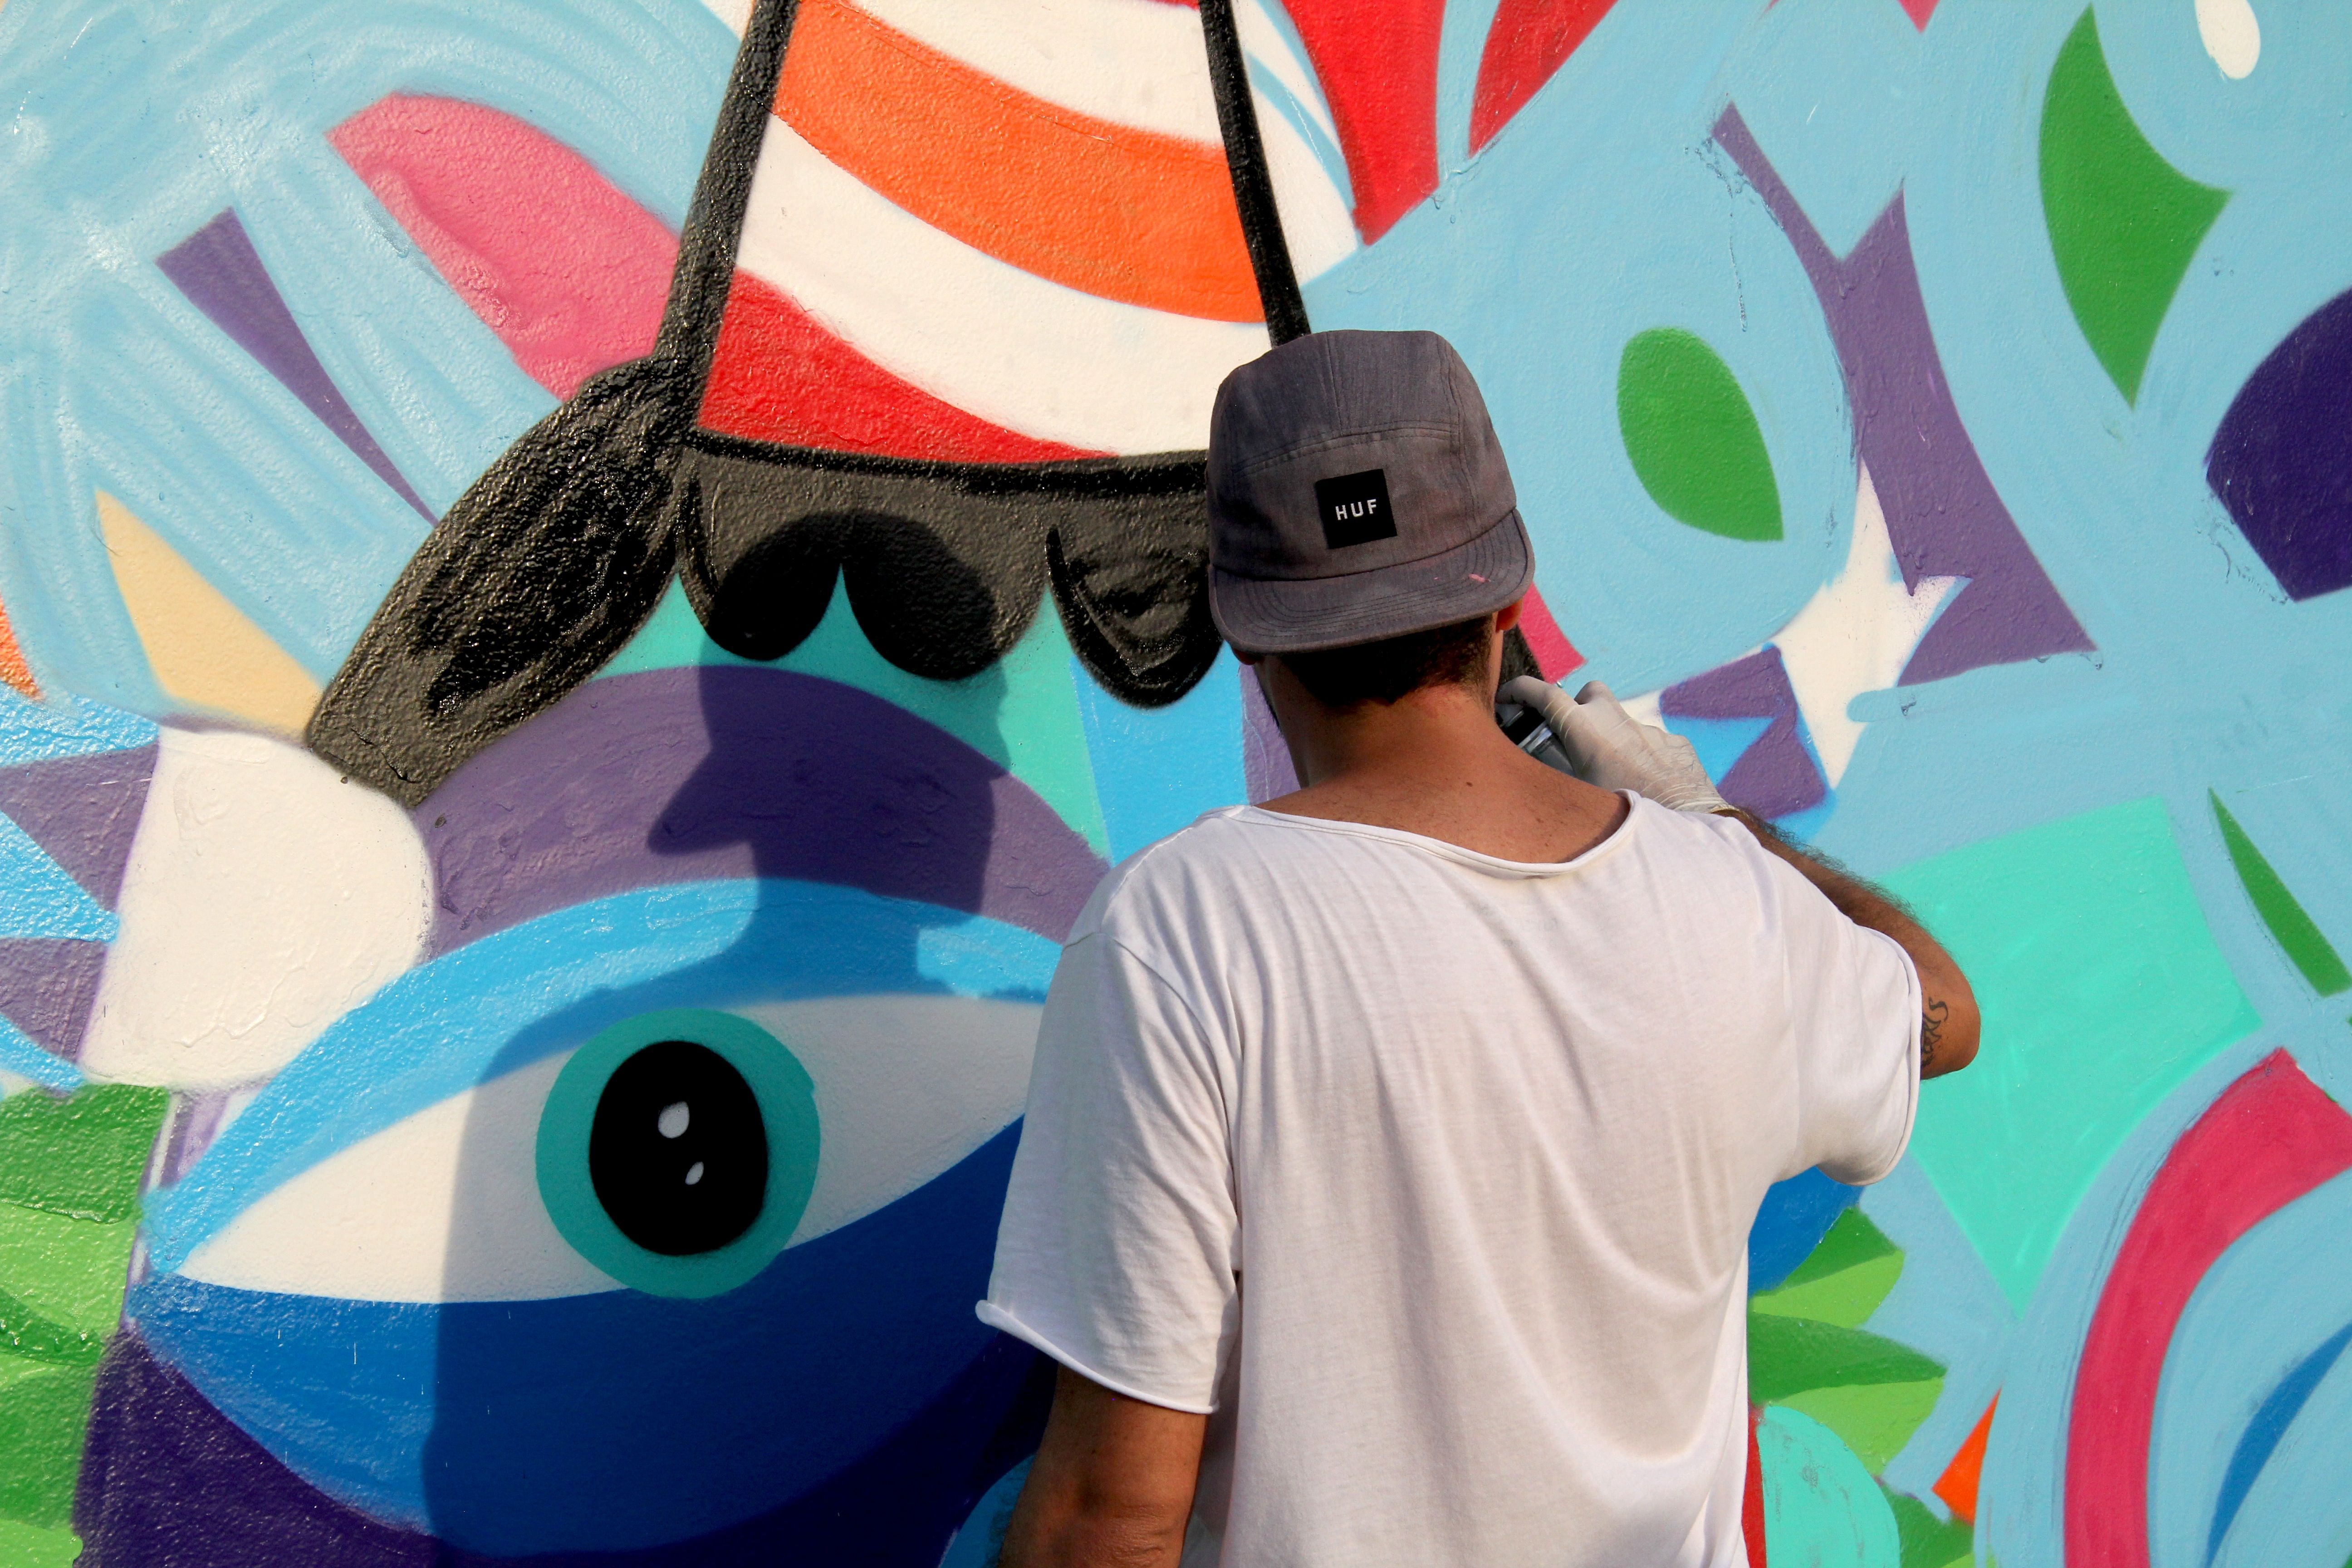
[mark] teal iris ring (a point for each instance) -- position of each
(787, 1102)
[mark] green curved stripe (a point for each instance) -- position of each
(1789, 1356)
(2306, 945)
(2123, 222)
(1693, 438)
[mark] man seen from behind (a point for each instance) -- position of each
(1393, 1146)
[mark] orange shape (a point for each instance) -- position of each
(1124, 214)
(205, 653)
(12, 668)
(1958, 1485)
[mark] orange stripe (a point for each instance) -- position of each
(1124, 213)
(12, 668)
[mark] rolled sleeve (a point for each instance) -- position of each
(1117, 1252)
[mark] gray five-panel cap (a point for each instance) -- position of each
(1356, 491)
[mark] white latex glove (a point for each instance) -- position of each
(1609, 747)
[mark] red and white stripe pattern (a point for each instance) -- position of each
(987, 230)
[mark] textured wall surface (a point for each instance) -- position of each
(589, 585)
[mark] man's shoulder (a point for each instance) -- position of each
(1174, 874)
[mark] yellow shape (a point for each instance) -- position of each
(205, 651)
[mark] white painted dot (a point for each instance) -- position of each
(673, 1119)
(2231, 34)
(694, 1173)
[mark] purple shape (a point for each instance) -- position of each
(729, 771)
(47, 986)
(167, 1481)
(2282, 460)
(1775, 776)
(83, 812)
(223, 275)
(1943, 515)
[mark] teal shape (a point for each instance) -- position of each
(2102, 991)
(1820, 1507)
(36, 897)
(1022, 712)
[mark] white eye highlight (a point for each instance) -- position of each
(694, 1173)
(673, 1123)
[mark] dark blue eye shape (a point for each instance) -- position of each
(678, 1153)
(677, 1149)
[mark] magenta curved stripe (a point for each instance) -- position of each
(2270, 1137)
(569, 271)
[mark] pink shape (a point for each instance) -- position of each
(2270, 1138)
(1555, 655)
(1920, 11)
(569, 272)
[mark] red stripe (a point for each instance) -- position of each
(1751, 1497)
(1530, 39)
(1377, 61)
(2270, 1137)
(1555, 655)
(778, 376)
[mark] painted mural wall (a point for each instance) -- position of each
(590, 584)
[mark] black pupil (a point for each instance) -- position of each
(678, 1153)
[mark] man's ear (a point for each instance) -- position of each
(1247, 657)
(1508, 615)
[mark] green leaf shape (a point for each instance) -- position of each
(1693, 438)
(1843, 1279)
(1789, 1356)
(42, 1420)
(81, 1156)
(30, 1546)
(2123, 222)
(2306, 945)
(69, 1270)
(29, 1334)
(1874, 1420)
(1928, 1541)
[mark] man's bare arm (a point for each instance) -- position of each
(1112, 1486)
(1949, 1024)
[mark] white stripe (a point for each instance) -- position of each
(1133, 62)
(1268, 43)
(999, 343)
(736, 13)
(1317, 225)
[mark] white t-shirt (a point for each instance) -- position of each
(1428, 1175)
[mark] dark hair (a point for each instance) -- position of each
(1385, 671)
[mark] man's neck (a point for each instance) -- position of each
(1432, 762)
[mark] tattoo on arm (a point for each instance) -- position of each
(1931, 1031)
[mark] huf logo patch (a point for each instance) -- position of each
(1355, 509)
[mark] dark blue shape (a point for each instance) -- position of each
(1796, 1213)
(620, 1421)
(2278, 1408)
(2282, 460)
(223, 275)
(168, 1482)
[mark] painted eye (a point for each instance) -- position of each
(677, 1153)
(678, 1150)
